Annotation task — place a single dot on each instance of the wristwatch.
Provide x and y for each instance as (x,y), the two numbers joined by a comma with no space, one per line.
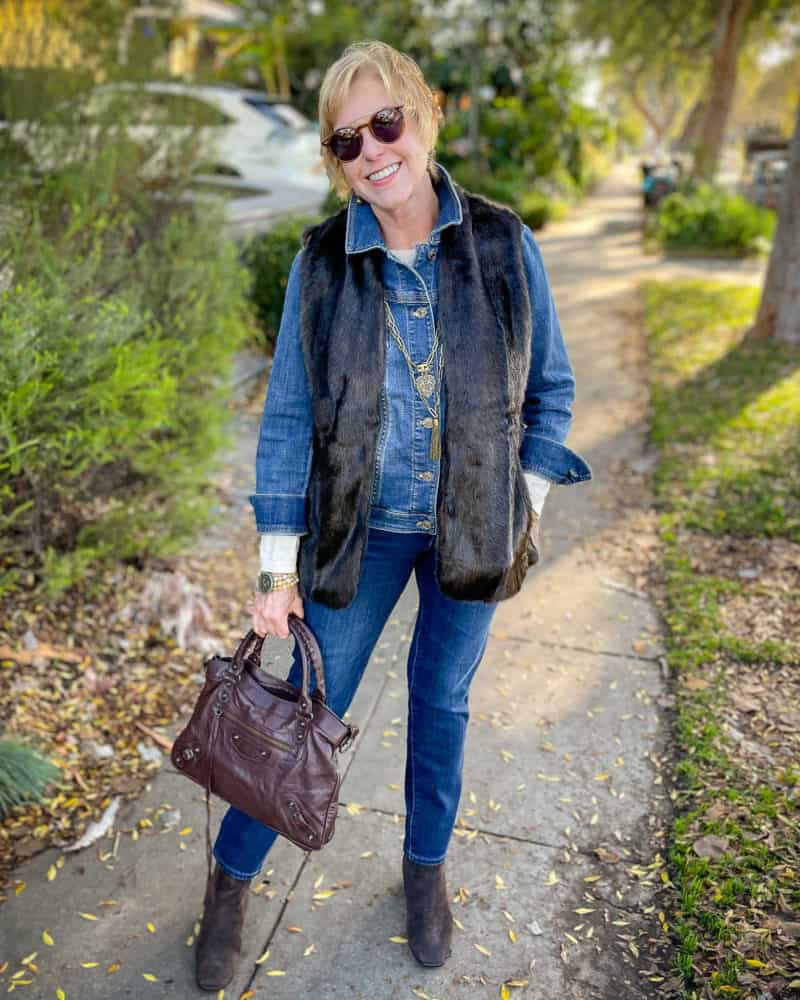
(267,582)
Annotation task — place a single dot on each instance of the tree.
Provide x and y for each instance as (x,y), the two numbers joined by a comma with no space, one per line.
(779,310)
(703,40)
(729,34)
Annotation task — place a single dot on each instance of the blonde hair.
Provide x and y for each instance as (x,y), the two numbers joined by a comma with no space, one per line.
(400,75)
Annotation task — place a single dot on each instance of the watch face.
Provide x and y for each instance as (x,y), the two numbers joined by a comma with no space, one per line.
(265,582)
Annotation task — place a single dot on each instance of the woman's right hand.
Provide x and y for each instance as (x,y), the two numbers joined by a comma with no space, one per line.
(271,611)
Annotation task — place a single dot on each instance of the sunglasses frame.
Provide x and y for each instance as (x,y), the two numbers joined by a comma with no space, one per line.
(357,132)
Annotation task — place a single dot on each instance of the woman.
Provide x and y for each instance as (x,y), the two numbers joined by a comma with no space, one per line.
(416,413)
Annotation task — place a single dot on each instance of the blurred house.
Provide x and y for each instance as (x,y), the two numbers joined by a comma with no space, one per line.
(174,38)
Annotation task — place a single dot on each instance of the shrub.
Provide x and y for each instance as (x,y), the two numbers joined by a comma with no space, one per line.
(269,258)
(117,331)
(706,217)
(24,775)
(534,206)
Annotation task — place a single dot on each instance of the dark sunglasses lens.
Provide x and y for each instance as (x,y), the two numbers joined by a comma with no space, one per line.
(387,126)
(346,147)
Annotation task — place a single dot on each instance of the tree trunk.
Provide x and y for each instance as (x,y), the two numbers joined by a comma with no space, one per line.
(728,37)
(691,127)
(779,310)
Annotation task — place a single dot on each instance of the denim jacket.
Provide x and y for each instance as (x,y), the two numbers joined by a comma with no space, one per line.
(406,477)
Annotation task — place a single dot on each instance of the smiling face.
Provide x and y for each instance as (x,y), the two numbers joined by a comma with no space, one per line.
(406,160)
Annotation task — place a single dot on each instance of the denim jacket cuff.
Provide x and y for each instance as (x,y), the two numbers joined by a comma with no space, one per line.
(283,513)
(552,460)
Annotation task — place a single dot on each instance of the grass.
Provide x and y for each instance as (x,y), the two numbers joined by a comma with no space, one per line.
(726,419)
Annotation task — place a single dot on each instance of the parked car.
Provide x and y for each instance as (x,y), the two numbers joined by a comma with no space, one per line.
(764,176)
(245,134)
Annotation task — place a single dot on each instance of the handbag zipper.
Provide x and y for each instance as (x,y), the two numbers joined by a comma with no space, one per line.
(281,744)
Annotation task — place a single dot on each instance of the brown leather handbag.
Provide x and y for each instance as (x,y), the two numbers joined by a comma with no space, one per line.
(265,746)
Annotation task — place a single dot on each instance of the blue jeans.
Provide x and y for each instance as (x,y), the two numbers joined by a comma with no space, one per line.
(448,644)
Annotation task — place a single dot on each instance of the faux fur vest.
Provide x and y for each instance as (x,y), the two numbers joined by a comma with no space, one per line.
(483,511)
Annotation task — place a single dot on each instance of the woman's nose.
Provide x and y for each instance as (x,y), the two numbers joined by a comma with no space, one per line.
(372,149)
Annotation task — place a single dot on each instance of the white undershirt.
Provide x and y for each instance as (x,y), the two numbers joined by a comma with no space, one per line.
(278,553)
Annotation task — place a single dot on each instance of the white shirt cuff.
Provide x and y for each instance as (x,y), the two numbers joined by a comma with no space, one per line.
(537,490)
(278,553)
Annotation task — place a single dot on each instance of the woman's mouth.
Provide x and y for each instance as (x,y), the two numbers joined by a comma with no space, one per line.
(383,176)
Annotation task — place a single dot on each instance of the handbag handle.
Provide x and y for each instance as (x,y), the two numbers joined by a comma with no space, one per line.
(310,659)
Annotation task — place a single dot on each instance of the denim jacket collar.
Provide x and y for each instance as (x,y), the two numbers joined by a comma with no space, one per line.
(364,231)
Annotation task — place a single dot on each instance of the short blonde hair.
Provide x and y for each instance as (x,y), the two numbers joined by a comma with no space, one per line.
(401,76)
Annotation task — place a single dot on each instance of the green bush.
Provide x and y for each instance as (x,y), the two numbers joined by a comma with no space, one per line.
(24,775)
(534,207)
(706,217)
(269,258)
(117,330)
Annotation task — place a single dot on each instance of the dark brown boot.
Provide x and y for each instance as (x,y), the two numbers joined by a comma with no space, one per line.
(429,923)
(219,943)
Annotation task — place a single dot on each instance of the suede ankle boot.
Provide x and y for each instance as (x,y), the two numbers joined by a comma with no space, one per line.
(219,942)
(429,923)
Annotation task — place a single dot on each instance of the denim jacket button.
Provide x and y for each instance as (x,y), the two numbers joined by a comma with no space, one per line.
(427,476)
(423,524)
(420,312)
(432,254)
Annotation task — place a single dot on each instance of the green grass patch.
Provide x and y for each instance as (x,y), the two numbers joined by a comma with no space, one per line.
(726,418)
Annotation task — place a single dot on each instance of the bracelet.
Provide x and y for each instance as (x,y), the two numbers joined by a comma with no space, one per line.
(267,583)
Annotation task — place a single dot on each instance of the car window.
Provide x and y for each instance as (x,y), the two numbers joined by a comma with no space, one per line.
(282,115)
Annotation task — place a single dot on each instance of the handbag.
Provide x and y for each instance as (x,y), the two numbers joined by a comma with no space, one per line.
(265,746)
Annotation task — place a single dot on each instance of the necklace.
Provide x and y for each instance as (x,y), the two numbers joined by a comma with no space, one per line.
(421,377)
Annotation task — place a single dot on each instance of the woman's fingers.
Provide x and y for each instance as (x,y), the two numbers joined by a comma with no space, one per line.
(271,611)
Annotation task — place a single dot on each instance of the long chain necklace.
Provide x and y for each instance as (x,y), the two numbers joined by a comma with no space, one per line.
(421,377)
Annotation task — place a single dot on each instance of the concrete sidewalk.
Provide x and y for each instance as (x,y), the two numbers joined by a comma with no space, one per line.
(554,867)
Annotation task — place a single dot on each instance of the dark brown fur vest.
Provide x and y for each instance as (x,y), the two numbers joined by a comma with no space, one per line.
(483,510)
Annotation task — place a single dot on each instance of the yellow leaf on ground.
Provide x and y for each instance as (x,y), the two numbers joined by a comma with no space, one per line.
(398,940)
(61,995)
(221,995)
(309,950)
(602,776)
(20,887)
(247,995)
(47,938)
(591,878)
(552,878)
(264,957)
(276,972)
(114,967)
(29,958)
(90,965)
(481,949)
(151,926)
(51,873)
(324,894)
(185,831)
(505,993)
(318,883)
(87,916)
(512,935)
(150,977)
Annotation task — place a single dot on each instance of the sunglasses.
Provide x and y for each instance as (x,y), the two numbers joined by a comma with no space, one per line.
(385,125)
